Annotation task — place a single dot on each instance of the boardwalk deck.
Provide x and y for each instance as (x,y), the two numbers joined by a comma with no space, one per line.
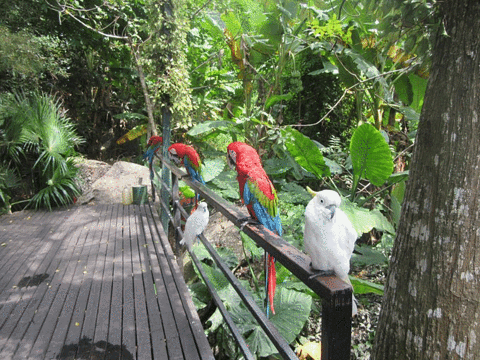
(93,282)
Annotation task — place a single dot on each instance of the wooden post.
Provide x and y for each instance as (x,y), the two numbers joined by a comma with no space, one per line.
(336,326)
(177,219)
(166,174)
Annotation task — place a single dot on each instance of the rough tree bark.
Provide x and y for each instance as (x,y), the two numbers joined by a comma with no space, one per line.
(431,307)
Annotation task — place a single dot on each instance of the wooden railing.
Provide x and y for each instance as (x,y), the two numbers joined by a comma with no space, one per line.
(336,295)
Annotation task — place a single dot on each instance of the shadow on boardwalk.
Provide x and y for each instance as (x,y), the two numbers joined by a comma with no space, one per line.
(93,282)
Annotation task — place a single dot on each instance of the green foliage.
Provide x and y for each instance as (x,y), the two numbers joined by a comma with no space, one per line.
(368,256)
(249,245)
(361,286)
(61,187)
(292,308)
(305,152)
(208,126)
(371,156)
(364,220)
(226,185)
(212,168)
(293,193)
(38,141)
(25,57)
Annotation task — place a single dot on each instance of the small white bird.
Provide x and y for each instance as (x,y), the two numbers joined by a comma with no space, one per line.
(329,236)
(196,223)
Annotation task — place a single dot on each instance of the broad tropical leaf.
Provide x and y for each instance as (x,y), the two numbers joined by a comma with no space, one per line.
(292,309)
(227,183)
(371,156)
(212,168)
(364,220)
(136,132)
(276,166)
(274,99)
(293,193)
(207,126)
(305,152)
(361,286)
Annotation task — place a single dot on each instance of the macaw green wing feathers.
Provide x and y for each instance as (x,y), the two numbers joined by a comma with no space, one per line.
(268,198)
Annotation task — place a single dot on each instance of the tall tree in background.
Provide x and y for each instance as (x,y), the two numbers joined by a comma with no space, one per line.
(155,32)
(431,308)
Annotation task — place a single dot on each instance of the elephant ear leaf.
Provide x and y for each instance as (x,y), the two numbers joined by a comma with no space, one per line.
(305,152)
(371,156)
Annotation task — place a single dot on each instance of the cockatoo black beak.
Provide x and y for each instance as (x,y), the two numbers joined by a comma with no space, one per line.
(332,209)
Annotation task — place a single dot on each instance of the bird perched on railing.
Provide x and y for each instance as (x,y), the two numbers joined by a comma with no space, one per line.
(329,236)
(186,155)
(195,225)
(259,195)
(154,144)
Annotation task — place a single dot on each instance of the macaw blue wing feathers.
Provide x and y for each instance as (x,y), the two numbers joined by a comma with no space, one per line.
(191,170)
(263,215)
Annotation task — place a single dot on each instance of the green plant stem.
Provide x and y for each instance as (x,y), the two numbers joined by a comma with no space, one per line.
(375,194)
(255,280)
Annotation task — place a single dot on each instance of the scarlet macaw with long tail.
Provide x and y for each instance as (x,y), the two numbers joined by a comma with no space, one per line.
(259,195)
(154,144)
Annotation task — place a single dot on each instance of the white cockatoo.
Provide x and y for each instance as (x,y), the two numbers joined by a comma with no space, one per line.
(329,236)
(196,223)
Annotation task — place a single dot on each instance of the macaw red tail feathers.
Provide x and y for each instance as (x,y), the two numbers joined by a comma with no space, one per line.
(272,281)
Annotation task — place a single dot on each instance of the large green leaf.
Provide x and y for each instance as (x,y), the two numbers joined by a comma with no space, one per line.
(227,183)
(272,100)
(292,309)
(208,126)
(371,156)
(404,90)
(364,220)
(368,256)
(361,286)
(212,168)
(276,166)
(397,195)
(294,193)
(255,251)
(305,152)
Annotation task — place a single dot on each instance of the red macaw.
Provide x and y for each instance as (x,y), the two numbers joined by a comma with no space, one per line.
(187,156)
(154,144)
(259,195)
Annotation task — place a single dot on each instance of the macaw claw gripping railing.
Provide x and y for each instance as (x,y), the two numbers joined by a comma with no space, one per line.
(336,295)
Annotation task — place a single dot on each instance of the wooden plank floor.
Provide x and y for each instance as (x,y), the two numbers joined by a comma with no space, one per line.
(93,282)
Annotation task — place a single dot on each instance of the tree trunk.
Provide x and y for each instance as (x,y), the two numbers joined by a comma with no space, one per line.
(151,127)
(431,307)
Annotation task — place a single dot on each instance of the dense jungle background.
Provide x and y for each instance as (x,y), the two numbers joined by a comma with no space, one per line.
(328,92)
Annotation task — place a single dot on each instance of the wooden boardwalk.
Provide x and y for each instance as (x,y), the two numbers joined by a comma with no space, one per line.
(93,282)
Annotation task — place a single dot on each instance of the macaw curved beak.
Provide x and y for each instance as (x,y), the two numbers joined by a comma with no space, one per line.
(332,209)
(231,160)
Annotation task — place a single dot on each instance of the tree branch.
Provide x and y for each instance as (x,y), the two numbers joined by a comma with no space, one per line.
(345,93)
